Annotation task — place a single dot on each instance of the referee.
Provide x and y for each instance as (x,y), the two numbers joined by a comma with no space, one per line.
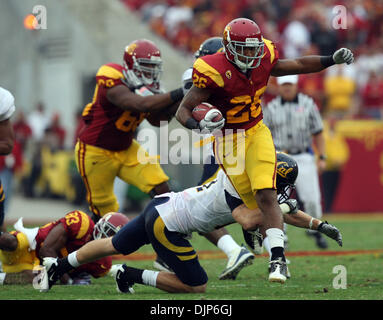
(295,123)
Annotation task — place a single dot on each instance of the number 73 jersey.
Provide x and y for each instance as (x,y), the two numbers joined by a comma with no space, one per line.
(237,96)
(108,126)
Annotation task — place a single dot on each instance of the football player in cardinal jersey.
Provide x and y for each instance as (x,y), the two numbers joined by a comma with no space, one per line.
(7,108)
(238,256)
(234,82)
(124,96)
(22,249)
(168,222)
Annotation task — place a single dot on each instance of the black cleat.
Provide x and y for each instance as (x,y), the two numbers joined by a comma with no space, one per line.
(124,284)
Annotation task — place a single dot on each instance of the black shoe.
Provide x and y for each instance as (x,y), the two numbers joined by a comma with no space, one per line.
(161,265)
(124,284)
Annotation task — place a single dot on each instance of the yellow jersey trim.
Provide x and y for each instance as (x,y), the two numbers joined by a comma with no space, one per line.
(109,72)
(271,47)
(84,225)
(207,70)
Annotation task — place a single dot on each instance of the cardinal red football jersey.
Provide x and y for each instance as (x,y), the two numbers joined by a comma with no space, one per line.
(237,96)
(108,126)
(78,226)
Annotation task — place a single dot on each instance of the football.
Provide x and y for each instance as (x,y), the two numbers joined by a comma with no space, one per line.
(200,111)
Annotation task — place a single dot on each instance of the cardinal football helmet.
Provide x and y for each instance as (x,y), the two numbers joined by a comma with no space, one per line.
(143,65)
(109,225)
(287,173)
(243,43)
(209,46)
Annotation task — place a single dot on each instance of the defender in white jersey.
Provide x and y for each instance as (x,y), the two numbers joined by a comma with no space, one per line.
(168,222)
(7,109)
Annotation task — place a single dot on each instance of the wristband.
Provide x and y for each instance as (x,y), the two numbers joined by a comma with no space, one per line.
(322,157)
(192,124)
(327,61)
(177,94)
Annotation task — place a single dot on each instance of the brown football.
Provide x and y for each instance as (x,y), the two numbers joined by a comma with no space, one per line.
(200,111)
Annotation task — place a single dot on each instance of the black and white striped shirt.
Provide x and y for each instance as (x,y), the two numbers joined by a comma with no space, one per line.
(293,123)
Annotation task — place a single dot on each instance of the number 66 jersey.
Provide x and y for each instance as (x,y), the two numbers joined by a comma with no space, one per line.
(108,126)
(235,94)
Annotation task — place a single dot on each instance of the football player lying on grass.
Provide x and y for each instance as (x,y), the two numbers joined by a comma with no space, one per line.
(167,223)
(21,250)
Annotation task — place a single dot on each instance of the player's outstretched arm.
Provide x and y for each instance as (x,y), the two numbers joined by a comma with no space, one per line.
(126,99)
(310,64)
(303,220)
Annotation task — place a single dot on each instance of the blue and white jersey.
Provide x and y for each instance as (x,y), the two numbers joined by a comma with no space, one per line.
(198,209)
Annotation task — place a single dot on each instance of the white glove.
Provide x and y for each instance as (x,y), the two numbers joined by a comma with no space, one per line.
(207,124)
(343,55)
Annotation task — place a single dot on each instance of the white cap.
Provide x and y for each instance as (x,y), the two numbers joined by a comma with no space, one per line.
(293,79)
(7,104)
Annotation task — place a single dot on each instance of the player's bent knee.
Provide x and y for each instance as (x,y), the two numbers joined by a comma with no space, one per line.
(198,289)
(266,197)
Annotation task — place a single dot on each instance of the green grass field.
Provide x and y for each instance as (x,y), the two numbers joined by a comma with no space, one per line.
(312,274)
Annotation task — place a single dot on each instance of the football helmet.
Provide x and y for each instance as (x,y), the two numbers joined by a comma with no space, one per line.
(142,65)
(209,46)
(243,43)
(287,173)
(109,225)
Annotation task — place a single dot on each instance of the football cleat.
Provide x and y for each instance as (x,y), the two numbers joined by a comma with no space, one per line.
(238,260)
(254,240)
(288,274)
(277,271)
(51,265)
(161,265)
(124,284)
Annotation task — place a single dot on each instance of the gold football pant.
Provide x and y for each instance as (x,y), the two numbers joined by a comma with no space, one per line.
(249,160)
(99,167)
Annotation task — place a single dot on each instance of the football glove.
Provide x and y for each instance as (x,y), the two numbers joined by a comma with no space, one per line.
(343,55)
(331,231)
(254,240)
(293,205)
(208,124)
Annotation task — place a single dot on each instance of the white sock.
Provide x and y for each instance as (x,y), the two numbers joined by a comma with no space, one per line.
(72,259)
(275,236)
(266,245)
(227,244)
(2,278)
(149,277)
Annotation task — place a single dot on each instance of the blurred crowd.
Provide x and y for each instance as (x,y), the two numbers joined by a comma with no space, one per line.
(298,27)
